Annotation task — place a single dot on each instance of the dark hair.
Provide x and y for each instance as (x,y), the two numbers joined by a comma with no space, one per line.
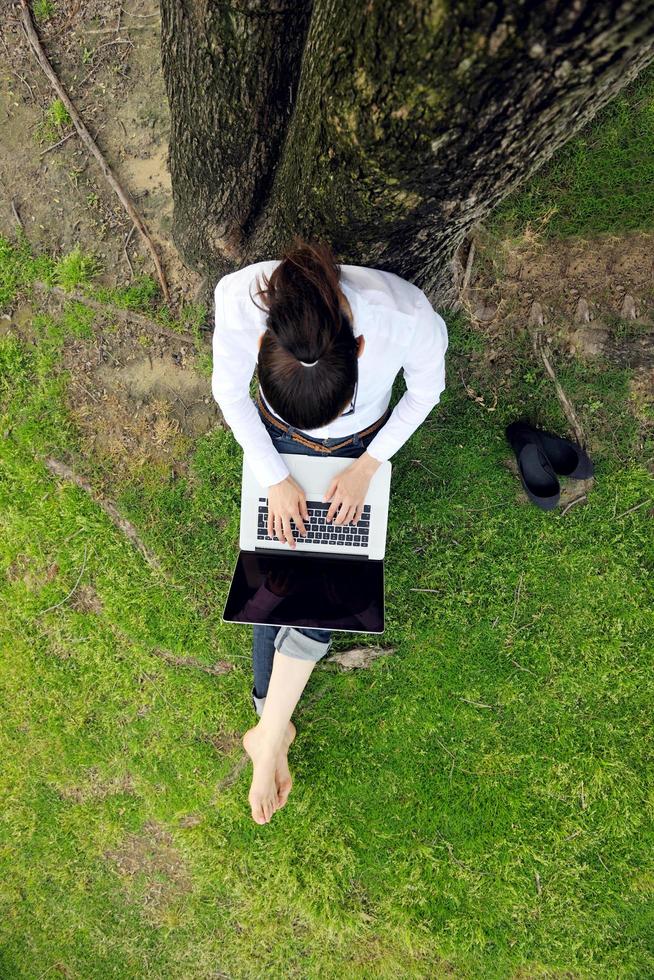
(305,322)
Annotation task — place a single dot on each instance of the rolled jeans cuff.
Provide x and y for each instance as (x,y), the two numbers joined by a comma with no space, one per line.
(297,643)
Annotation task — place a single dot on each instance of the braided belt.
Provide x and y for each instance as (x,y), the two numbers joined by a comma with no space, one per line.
(316,445)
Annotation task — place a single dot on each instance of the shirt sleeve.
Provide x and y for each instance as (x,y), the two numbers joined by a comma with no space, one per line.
(424,374)
(234,361)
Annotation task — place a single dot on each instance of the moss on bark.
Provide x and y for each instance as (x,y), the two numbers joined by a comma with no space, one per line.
(387,128)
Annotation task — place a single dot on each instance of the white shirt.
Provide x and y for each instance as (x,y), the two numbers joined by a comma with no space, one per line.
(401,330)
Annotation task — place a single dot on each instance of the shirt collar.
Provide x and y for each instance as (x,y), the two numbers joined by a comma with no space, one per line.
(358,305)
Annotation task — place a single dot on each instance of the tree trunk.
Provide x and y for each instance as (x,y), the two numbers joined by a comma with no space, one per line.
(388,128)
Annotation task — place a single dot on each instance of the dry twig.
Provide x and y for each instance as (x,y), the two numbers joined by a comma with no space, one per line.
(16,215)
(517,597)
(24,81)
(55,145)
(67,597)
(632,509)
(420,463)
(542,350)
(526,669)
(125,247)
(572,503)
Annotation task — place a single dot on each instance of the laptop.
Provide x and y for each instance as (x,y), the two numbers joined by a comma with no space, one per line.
(334,578)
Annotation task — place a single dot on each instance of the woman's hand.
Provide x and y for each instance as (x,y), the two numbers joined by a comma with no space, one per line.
(280,581)
(348,490)
(286,501)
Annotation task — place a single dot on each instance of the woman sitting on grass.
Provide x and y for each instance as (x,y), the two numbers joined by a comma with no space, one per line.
(328,345)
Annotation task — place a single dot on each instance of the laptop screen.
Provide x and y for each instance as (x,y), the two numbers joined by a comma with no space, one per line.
(324,592)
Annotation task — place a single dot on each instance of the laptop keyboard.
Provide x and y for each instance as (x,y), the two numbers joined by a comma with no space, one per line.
(318,530)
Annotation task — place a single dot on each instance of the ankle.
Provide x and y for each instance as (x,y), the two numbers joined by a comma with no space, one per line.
(266,740)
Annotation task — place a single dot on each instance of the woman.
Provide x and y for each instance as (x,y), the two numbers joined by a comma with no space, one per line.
(327,343)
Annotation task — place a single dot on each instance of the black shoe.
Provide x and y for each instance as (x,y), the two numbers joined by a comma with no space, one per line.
(567,457)
(536,471)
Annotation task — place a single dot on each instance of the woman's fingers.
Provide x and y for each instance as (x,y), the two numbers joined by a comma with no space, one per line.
(337,501)
(330,492)
(299,523)
(278,527)
(336,510)
(357,515)
(288,531)
(345,514)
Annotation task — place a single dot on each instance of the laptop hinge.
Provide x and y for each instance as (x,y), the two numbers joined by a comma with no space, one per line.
(310,554)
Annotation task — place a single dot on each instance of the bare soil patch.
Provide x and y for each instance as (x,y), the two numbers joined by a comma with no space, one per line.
(96,787)
(225,742)
(601,273)
(86,600)
(597,298)
(33,574)
(152,870)
(137,399)
(107,55)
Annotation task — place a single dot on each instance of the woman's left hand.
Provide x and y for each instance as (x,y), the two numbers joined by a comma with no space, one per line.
(348,490)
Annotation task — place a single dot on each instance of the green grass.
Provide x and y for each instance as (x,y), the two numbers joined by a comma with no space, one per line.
(476,804)
(43,10)
(56,117)
(19,268)
(601,181)
(58,114)
(76,271)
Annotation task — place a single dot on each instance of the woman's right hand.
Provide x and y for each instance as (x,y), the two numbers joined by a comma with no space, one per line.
(286,501)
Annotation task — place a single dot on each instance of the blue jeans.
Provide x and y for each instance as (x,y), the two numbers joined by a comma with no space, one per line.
(305,644)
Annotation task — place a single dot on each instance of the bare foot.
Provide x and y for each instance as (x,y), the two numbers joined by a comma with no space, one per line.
(264,796)
(283,779)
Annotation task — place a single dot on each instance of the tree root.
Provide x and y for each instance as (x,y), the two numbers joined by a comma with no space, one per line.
(221,667)
(87,139)
(65,473)
(117,311)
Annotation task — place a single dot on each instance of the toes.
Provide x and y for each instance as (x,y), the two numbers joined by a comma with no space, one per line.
(268,809)
(284,784)
(257,814)
(282,796)
(257,807)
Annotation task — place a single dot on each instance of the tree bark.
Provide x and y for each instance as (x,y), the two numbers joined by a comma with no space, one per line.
(388,128)
(231,73)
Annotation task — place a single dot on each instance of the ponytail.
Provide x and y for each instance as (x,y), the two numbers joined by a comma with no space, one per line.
(307,363)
